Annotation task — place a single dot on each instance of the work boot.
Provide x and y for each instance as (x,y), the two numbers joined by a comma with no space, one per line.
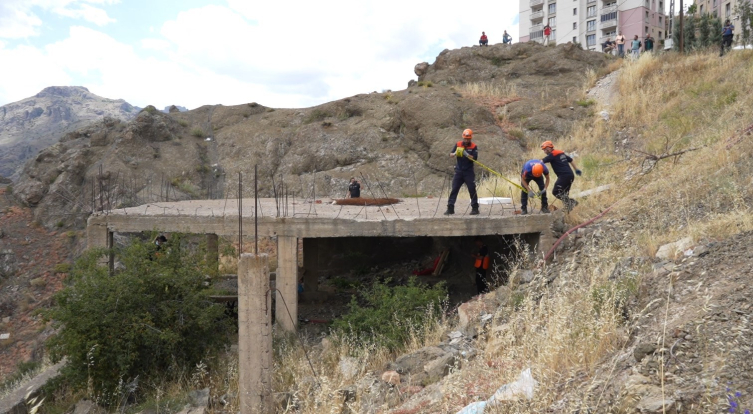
(450,210)
(474,211)
(523,211)
(545,210)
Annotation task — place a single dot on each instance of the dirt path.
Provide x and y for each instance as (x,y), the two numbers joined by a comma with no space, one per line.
(606,90)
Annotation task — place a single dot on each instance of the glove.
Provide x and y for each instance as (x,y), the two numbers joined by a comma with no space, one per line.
(541,193)
(578,172)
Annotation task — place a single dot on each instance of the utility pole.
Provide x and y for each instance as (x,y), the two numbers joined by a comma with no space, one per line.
(682,33)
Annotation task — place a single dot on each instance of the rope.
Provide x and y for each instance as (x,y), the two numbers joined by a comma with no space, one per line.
(501,176)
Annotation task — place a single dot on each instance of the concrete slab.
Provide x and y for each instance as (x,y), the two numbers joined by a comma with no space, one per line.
(410,217)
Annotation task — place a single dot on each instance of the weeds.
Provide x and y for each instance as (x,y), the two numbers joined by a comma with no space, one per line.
(198,132)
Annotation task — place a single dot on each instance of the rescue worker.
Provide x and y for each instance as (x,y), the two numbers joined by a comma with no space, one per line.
(354,189)
(481,265)
(561,165)
(464,151)
(536,171)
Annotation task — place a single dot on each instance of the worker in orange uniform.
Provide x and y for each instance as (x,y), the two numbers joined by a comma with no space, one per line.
(482,265)
(534,170)
(465,152)
(561,165)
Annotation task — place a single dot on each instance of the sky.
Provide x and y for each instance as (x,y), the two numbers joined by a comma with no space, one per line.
(285,54)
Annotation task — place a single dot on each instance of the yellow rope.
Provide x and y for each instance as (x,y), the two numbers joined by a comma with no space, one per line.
(530,193)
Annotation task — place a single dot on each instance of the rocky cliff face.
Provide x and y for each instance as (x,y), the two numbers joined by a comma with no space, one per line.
(32,124)
(400,139)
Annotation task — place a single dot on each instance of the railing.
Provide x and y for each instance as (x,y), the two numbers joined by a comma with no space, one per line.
(591,2)
(535,3)
(537,28)
(609,9)
(537,15)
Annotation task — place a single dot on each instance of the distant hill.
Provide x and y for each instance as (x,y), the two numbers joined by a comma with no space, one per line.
(178,108)
(35,123)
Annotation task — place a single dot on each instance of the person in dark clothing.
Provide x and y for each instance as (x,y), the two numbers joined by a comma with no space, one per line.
(561,165)
(648,43)
(354,189)
(464,152)
(534,170)
(481,265)
(727,35)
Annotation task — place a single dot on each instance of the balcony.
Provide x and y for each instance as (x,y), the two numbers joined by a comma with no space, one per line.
(536,28)
(550,1)
(609,23)
(537,15)
(609,9)
(536,3)
(591,2)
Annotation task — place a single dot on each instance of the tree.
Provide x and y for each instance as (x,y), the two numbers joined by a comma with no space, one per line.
(704,30)
(744,11)
(148,318)
(692,9)
(690,37)
(716,32)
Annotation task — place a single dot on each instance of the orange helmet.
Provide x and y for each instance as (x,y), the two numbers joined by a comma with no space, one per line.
(537,170)
(547,144)
(468,134)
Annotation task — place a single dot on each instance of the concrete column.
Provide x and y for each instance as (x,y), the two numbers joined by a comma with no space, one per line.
(311,265)
(213,251)
(254,335)
(111,254)
(96,236)
(287,282)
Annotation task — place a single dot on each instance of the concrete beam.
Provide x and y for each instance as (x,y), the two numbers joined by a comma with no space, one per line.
(287,283)
(96,235)
(254,335)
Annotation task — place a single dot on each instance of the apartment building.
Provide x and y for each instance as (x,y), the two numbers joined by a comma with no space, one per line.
(725,9)
(591,22)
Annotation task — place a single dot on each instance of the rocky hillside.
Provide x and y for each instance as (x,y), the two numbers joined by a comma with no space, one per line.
(505,94)
(35,123)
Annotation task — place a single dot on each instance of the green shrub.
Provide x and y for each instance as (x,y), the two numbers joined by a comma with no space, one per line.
(197,132)
(183,122)
(316,115)
(152,319)
(585,102)
(62,268)
(390,315)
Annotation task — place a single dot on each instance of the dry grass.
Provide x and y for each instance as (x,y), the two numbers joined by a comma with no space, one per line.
(498,89)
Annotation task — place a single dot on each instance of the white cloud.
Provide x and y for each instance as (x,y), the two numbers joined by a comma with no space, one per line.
(284,54)
(18,19)
(90,14)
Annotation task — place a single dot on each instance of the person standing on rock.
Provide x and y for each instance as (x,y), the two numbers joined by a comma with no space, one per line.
(354,189)
(481,265)
(635,46)
(464,152)
(648,43)
(484,41)
(561,164)
(547,33)
(534,170)
(620,40)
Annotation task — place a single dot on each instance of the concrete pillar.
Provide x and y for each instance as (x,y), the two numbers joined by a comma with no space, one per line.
(96,236)
(311,265)
(287,283)
(213,251)
(111,254)
(254,335)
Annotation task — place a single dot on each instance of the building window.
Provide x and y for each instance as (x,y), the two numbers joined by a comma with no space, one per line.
(646,14)
(591,11)
(552,21)
(553,8)
(591,25)
(659,20)
(591,40)
(609,16)
(715,14)
(661,5)
(646,29)
(575,11)
(575,25)
(554,34)
(701,8)
(726,10)
(611,33)
(659,35)
(714,3)
(575,39)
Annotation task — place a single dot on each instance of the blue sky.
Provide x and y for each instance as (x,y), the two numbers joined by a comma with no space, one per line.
(196,52)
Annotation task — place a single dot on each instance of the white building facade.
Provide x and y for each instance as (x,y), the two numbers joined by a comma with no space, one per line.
(591,22)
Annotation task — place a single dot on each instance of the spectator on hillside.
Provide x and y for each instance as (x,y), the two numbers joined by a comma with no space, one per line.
(635,46)
(484,41)
(354,189)
(620,40)
(506,38)
(727,33)
(648,43)
(547,33)
(608,46)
